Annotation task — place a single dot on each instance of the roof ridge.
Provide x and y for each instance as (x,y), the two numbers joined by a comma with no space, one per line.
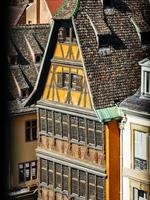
(30,26)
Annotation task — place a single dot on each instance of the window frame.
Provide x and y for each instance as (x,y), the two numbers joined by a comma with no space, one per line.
(143,129)
(145,71)
(71,192)
(31,127)
(25,168)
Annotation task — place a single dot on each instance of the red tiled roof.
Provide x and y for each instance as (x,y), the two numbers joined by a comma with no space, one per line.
(54,5)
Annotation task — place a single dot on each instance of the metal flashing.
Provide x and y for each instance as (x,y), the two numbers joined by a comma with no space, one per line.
(108,114)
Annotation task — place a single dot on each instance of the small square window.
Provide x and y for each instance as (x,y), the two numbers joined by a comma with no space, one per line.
(37,58)
(104,41)
(13,60)
(145,38)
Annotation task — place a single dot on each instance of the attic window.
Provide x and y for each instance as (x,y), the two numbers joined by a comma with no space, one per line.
(107,4)
(145,38)
(104,44)
(37,58)
(24,93)
(67,34)
(13,60)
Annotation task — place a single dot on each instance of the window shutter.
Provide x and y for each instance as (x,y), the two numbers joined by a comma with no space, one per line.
(135,194)
(144,146)
(137,144)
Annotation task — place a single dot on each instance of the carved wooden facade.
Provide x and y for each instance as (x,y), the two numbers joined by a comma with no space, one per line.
(69,129)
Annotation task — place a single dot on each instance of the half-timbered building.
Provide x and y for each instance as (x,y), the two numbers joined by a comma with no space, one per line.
(89,66)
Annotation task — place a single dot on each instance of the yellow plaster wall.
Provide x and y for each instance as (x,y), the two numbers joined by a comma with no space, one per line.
(20,151)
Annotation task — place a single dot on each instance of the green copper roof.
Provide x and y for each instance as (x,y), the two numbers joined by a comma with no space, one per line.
(108,114)
(76,8)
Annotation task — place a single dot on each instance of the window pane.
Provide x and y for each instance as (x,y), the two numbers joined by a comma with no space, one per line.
(74,173)
(34,123)
(49,114)
(140,150)
(91,124)
(58,116)
(65,118)
(91,139)
(98,138)
(43,163)
(28,134)
(27,171)
(74,120)
(28,124)
(81,122)
(43,124)
(82,134)
(58,130)
(49,126)
(92,192)
(42,113)
(76,82)
(33,133)
(75,186)
(43,175)
(50,178)
(21,173)
(65,130)
(58,180)
(99,193)
(65,183)
(66,80)
(82,183)
(92,179)
(100,181)
(65,170)
(74,133)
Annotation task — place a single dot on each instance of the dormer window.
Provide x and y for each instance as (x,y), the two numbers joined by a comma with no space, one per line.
(24,93)
(13,60)
(104,44)
(38,58)
(145,77)
(108,4)
(67,34)
(145,38)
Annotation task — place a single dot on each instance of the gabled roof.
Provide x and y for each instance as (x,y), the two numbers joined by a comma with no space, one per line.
(16,13)
(112,77)
(24,73)
(53,5)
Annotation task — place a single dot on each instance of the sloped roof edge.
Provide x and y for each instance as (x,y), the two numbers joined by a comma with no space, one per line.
(34,95)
